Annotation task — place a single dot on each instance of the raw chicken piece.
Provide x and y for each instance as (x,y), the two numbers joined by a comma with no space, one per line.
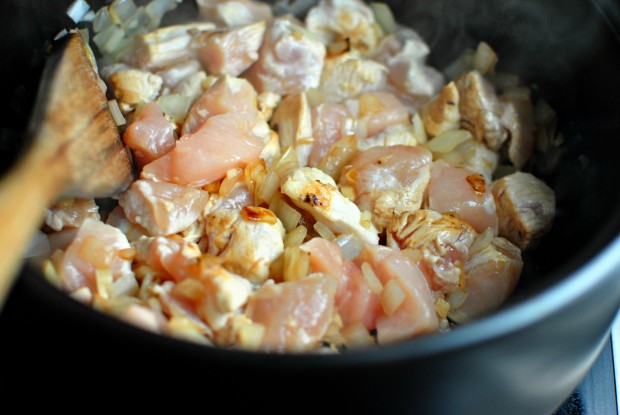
(414,313)
(222,143)
(525,207)
(118,219)
(442,240)
(315,192)
(518,118)
(150,135)
(464,193)
(380,110)
(230,51)
(289,61)
(132,87)
(348,75)
(296,314)
(345,19)
(388,181)
(233,235)
(175,257)
(96,246)
(442,113)
(228,94)
(162,208)
(491,275)
(233,13)
(355,300)
(223,294)
(480,109)
(404,55)
(165,46)
(330,123)
(292,120)
(71,213)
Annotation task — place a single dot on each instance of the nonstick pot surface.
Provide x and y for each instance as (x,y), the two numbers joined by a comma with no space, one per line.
(525,359)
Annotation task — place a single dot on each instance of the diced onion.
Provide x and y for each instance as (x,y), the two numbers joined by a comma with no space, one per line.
(392,297)
(296,236)
(77,10)
(447,141)
(385,18)
(485,58)
(457,298)
(296,263)
(357,335)
(371,278)
(116,112)
(250,336)
(323,231)
(176,106)
(104,279)
(125,285)
(350,245)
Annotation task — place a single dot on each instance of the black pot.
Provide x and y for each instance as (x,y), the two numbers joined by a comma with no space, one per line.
(525,359)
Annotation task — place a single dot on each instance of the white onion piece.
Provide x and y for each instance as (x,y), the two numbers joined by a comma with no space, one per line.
(77,10)
(116,112)
(350,245)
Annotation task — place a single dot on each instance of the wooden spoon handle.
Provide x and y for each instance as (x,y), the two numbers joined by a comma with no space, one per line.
(25,193)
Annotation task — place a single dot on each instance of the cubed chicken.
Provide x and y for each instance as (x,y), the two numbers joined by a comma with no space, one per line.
(228,94)
(292,120)
(176,72)
(176,258)
(330,123)
(95,249)
(348,75)
(491,275)
(518,118)
(442,113)
(230,51)
(480,109)
(389,181)
(442,240)
(132,87)
(289,60)
(166,46)
(233,234)
(295,314)
(525,207)
(407,303)
(464,193)
(345,19)
(316,192)
(150,135)
(162,208)
(70,213)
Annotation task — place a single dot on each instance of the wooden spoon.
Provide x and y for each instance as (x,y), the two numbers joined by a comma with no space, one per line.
(76,151)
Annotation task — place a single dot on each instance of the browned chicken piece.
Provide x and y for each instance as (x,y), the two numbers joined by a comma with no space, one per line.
(388,181)
(293,121)
(525,207)
(491,275)
(348,75)
(518,118)
(480,109)
(352,20)
(162,208)
(132,87)
(230,51)
(289,60)
(233,13)
(442,240)
(442,113)
(167,45)
(70,213)
(233,236)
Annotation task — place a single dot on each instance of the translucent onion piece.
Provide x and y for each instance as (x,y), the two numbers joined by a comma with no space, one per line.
(384,17)
(447,141)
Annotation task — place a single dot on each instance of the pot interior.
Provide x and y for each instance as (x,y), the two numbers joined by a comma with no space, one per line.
(566,51)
